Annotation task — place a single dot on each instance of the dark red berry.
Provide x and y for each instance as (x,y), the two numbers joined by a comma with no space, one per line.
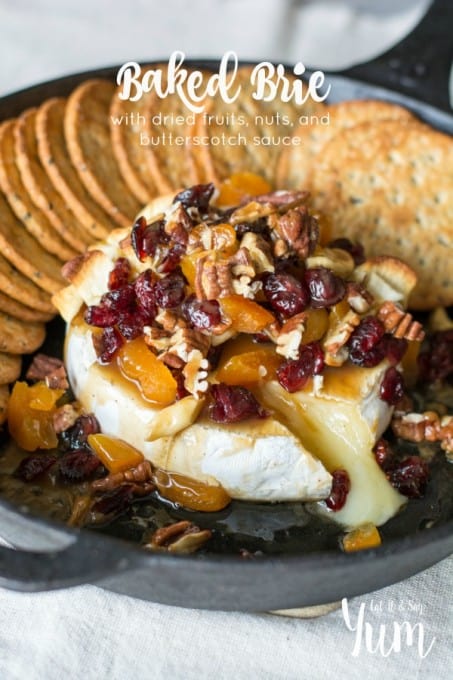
(107,344)
(100,316)
(364,344)
(201,314)
(78,465)
(115,502)
(232,404)
(286,294)
(356,249)
(172,259)
(392,386)
(76,436)
(410,476)
(170,291)
(326,288)
(383,454)
(146,239)
(197,196)
(341,486)
(32,467)
(119,276)
(294,374)
(395,348)
(436,363)
(144,292)
(259,226)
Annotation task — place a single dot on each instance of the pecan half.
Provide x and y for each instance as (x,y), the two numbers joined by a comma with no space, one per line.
(359,299)
(49,369)
(142,475)
(212,278)
(259,251)
(180,537)
(298,229)
(427,426)
(400,323)
(338,336)
(65,416)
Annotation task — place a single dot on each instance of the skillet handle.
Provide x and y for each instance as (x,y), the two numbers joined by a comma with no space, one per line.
(418,66)
(87,559)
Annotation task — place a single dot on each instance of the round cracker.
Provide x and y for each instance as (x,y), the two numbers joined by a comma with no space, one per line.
(54,157)
(10,367)
(20,311)
(20,337)
(33,219)
(25,253)
(389,186)
(127,122)
(296,163)
(4,398)
(261,124)
(87,133)
(20,288)
(40,188)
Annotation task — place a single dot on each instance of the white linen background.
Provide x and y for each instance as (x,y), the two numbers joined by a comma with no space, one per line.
(88,633)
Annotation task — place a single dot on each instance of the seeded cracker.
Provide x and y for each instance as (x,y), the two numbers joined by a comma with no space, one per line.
(55,159)
(41,189)
(10,367)
(262,120)
(389,186)
(14,308)
(33,219)
(19,337)
(25,253)
(296,163)
(87,133)
(21,290)
(131,156)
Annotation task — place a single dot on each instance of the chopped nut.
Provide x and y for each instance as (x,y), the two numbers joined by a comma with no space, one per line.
(157,338)
(195,373)
(260,252)
(241,263)
(49,369)
(400,323)
(284,199)
(337,359)
(335,259)
(80,509)
(71,268)
(299,230)
(141,474)
(281,248)
(170,321)
(251,212)
(65,416)
(246,287)
(359,299)
(212,278)
(290,336)
(180,537)
(338,336)
(185,340)
(427,426)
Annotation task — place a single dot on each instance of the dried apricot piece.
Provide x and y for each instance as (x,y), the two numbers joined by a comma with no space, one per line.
(155,380)
(116,454)
(190,493)
(30,415)
(249,367)
(245,315)
(362,538)
(315,325)
(239,186)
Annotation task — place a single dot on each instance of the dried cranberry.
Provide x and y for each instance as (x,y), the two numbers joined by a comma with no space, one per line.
(181,391)
(119,276)
(364,344)
(232,404)
(410,476)
(100,316)
(202,314)
(294,374)
(33,466)
(286,294)
(116,501)
(147,238)
(326,288)
(356,249)
(76,437)
(437,362)
(383,454)
(172,259)
(107,344)
(259,226)
(170,291)
(131,325)
(144,292)
(341,486)
(395,348)
(78,465)
(392,386)
(197,196)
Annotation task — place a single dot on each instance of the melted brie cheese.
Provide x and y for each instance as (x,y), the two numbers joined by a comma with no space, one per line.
(254,460)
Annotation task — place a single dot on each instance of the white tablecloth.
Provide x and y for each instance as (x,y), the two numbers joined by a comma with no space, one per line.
(89,633)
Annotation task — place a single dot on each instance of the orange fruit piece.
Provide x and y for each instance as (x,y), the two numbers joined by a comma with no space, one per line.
(239,186)
(30,415)
(245,315)
(315,326)
(155,381)
(116,454)
(191,493)
(362,538)
(249,367)
(189,263)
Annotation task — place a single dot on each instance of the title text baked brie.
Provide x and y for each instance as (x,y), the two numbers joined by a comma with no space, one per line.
(231,344)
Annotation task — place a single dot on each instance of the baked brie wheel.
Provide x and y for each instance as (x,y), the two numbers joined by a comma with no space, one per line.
(233,345)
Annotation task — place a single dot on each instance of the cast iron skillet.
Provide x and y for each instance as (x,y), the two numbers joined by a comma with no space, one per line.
(414,74)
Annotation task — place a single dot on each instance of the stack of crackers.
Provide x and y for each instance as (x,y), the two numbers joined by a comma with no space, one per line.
(73,169)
